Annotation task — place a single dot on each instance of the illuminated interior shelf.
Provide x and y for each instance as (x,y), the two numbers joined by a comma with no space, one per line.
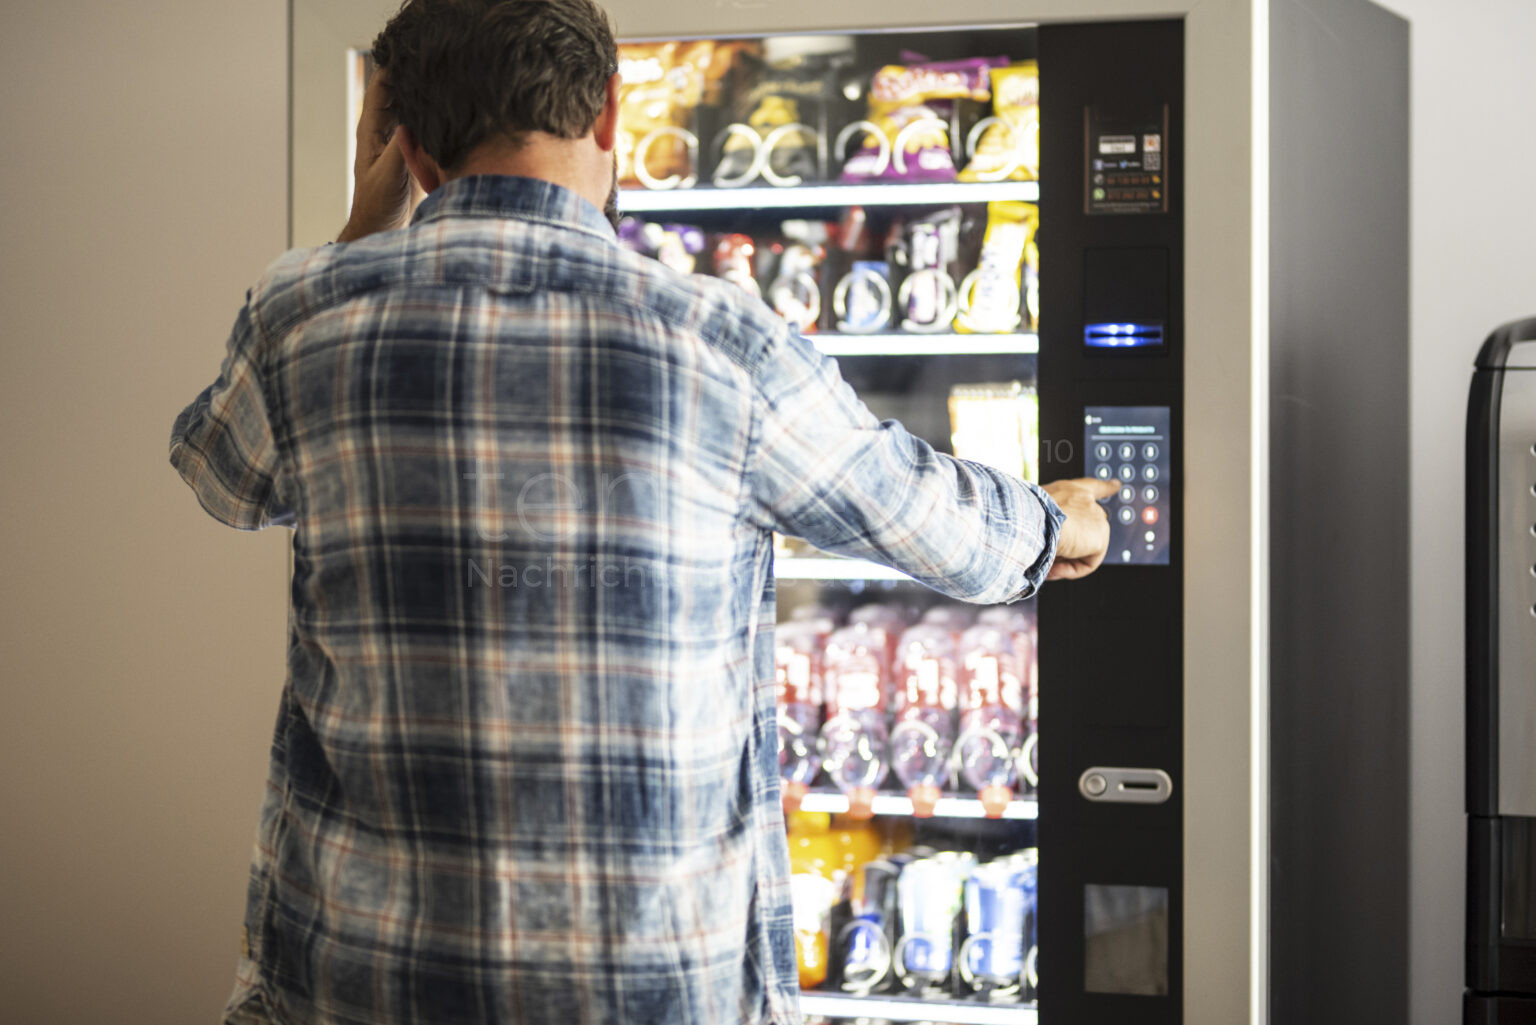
(926,345)
(838,1005)
(636,201)
(895,804)
(789,567)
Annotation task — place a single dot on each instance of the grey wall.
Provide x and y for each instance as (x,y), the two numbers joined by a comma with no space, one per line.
(1474,266)
(144,190)
(1339,514)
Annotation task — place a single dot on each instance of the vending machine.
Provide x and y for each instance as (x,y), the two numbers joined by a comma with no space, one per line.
(1052,811)
(1501,681)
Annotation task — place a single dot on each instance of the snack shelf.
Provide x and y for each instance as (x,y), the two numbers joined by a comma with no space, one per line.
(836,1005)
(812,567)
(896,804)
(634,200)
(926,345)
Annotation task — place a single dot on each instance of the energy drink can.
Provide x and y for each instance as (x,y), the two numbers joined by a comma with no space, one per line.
(865,942)
(1000,900)
(928,895)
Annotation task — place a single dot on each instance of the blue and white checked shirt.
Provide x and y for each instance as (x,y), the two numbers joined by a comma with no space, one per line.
(525,763)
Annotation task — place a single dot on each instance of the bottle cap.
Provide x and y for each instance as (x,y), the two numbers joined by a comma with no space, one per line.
(924,797)
(994,800)
(861,803)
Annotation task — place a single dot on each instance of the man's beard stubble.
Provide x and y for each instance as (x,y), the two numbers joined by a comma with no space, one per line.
(611,207)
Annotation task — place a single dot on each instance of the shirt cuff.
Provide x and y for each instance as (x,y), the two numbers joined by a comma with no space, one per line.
(1051,529)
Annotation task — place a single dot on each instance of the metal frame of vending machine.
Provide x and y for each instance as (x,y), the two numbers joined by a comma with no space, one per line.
(1156,673)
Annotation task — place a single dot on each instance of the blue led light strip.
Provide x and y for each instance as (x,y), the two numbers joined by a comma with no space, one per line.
(1122,336)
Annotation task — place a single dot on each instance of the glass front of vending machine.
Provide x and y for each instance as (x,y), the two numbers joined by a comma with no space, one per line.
(984,227)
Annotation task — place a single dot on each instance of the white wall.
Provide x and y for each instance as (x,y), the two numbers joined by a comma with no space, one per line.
(144,189)
(1474,267)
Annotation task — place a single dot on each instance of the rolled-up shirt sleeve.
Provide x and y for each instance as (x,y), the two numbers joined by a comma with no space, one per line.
(828,471)
(222,443)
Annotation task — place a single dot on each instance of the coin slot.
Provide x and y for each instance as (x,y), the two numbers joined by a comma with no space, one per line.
(1137,784)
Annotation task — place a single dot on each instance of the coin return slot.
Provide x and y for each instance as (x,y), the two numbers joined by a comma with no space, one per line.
(1102,784)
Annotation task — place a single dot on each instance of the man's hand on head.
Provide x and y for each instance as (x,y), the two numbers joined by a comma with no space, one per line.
(384,195)
(1085,534)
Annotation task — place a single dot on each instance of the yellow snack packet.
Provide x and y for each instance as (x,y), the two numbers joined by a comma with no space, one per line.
(992,295)
(1009,147)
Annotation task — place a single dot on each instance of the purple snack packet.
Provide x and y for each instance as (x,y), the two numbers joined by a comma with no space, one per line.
(912,104)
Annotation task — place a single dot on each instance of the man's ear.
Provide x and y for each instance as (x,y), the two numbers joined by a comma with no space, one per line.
(422,167)
(605,130)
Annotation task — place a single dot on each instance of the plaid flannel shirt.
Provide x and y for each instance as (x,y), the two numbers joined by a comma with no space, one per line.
(525,761)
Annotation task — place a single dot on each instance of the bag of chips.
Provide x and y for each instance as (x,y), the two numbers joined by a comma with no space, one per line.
(764,141)
(660,85)
(1009,145)
(911,105)
(997,423)
(992,295)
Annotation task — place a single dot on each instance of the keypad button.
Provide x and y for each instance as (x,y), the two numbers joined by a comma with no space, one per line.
(1127,471)
(1149,494)
(1149,473)
(1102,450)
(1151,536)
(1127,451)
(1127,494)
(1103,472)
(1127,514)
(1149,515)
(1150,452)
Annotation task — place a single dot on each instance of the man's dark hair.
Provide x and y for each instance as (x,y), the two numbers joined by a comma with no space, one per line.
(462,72)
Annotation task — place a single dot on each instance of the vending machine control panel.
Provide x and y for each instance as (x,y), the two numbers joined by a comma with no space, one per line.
(1130,445)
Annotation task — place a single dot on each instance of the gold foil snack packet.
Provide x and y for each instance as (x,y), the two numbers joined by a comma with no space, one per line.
(660,85)
(1009,146)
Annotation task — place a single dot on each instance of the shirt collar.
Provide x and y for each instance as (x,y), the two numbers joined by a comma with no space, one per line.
(508,196)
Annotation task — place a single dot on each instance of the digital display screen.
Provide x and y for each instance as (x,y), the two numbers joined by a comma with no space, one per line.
(1133,446)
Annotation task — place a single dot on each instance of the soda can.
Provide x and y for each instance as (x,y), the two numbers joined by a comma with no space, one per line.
(1000,900)
(865,942)
(928,894)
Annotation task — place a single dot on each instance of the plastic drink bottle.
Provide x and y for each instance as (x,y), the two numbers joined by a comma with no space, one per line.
(924,730)
(853,739)
(991,716)
(798,682)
